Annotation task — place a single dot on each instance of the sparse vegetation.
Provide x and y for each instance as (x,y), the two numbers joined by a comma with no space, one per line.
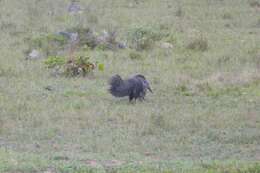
(135,55)
(142,38)
(200,44)
(49,44)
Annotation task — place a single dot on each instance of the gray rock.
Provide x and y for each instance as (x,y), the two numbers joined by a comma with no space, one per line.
(72,36)
(34,54)
(74,8)
(122,45)
(166,45)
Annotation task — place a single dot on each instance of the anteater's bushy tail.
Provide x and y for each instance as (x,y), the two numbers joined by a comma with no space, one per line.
(118,88)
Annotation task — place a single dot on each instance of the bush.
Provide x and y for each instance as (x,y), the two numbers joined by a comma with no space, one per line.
(107,40)
(80,66)
(86,36)
(142,38)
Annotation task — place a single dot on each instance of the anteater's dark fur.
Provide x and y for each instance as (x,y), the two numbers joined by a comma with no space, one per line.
(134,87)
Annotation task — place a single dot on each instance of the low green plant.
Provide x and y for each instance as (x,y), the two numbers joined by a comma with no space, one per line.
(53,61)
(101,67)
(81,65)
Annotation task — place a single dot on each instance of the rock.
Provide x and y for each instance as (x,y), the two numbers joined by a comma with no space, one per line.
(72,36)
(121,45)
(166,45)
(74,8)
(34,54)
(104,37)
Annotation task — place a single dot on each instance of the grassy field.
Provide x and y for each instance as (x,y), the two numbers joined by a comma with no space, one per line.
(204,114)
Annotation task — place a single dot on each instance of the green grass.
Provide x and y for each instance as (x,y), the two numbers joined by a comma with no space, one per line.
(202,117)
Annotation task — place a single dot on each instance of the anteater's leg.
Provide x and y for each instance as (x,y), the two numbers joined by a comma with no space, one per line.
(141,98)
(131,96)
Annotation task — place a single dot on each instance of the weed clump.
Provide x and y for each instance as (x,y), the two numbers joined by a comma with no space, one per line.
(134,55)
(227,16)
(199,44)
(184,90)
(81,66)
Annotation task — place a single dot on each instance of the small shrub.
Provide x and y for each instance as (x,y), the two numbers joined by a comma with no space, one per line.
(80,66)
(101,67)
(53,61)
(200,44)
(227,16)
(107,40)
(142,38)
(179,12)
(86,36)
(135,55)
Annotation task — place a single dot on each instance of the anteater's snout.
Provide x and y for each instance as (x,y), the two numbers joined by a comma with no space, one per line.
(149,88)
